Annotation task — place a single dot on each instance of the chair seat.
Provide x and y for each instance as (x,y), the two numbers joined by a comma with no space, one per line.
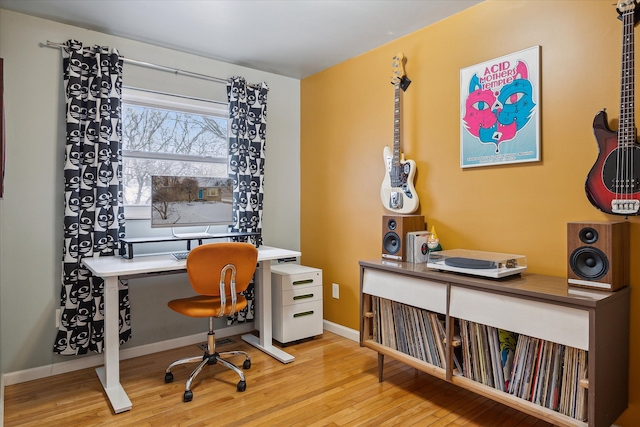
(205,306)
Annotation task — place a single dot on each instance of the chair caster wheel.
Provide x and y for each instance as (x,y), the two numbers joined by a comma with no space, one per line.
(246,364)
(168,377)
(242,386)
(188,396)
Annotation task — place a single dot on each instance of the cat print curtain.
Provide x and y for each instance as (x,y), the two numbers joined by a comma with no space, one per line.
(93,209)
(247,138)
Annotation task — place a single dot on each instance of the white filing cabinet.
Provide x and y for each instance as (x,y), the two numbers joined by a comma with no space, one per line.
(296,302)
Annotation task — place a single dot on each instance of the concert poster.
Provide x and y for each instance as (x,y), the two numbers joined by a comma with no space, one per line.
(500,110)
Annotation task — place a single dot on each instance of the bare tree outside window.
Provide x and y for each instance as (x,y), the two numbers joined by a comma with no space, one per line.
(172,189)
(162,194)
(157,141)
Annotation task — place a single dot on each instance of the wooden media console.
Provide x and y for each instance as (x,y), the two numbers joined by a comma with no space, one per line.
(414,314)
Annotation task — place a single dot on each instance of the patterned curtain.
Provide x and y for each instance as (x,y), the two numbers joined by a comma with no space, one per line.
(93,211)
(248,114)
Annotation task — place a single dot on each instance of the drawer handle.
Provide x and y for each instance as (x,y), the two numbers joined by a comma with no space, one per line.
(297,297)
(304,313)
(302,282)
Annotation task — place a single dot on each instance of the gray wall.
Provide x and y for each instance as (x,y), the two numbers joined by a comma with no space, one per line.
(31,211)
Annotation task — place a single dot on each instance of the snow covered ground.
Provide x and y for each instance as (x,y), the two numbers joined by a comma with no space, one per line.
(194,213)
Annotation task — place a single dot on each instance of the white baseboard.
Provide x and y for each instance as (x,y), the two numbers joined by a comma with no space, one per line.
(343,331)
(128,353)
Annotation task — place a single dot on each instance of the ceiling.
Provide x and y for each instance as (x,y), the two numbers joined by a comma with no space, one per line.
(293,38)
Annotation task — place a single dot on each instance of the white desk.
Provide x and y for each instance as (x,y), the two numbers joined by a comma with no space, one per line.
(113,268)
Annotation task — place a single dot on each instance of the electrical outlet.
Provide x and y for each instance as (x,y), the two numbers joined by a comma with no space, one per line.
(58,318)
(335,291)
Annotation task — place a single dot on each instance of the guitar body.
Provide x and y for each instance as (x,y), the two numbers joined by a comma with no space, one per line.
(404,177)
(606,188)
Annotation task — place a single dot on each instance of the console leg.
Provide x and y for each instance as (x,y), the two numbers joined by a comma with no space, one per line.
(380,366)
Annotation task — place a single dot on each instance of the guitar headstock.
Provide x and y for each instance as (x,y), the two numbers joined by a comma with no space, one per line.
(626,5)
(397,68)
(398,75)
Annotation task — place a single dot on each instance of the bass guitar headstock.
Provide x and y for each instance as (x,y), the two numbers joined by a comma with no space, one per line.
(625,6)
(398,76)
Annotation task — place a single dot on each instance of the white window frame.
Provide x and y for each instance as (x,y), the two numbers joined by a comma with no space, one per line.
(168,101)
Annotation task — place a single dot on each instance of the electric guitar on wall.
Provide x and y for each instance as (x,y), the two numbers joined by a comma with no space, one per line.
(613,184)
(397,191)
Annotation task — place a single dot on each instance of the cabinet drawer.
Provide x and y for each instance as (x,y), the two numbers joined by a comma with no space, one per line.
(292,276)
(300,296)
(300,321)
(406,289)
(556,323)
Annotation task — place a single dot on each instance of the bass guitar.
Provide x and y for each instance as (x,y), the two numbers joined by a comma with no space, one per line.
(613,184)
(397,191)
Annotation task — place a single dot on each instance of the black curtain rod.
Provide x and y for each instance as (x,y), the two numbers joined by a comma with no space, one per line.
(160,67)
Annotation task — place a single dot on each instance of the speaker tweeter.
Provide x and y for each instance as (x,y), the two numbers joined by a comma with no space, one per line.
(588,235)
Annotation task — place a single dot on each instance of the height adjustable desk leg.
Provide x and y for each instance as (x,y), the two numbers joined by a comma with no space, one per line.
(263,311)
(109,374)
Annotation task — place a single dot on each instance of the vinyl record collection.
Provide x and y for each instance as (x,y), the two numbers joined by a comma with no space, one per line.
(410,330)
(537,370)
(540,371)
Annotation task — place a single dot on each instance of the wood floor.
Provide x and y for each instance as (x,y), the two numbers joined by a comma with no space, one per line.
(332,382)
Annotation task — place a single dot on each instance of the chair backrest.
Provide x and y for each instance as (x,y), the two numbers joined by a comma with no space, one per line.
(206,262)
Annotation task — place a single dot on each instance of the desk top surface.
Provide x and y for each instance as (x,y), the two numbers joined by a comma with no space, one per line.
(117,266)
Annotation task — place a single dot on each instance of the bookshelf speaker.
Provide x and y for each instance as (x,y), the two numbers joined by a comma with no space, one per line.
(598,254)
(394,231)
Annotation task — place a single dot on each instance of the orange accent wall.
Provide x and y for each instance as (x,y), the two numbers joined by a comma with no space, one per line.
(347,119)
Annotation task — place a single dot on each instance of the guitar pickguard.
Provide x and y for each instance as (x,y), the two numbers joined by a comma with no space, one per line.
(397,191)
(400,178)
(622,183)
(406,170)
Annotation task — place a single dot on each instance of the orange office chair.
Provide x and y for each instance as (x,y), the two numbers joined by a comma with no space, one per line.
(218,272)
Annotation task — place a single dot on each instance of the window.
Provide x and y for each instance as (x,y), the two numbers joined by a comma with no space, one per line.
(169,135)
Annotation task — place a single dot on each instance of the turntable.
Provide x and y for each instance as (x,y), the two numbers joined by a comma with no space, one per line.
(478,263)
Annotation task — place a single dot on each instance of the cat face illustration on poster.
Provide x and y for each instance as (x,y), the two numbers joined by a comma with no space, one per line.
(496,115)
(498,101)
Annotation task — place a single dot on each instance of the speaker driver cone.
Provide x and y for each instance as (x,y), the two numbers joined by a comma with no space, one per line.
(589,263)
(391,243)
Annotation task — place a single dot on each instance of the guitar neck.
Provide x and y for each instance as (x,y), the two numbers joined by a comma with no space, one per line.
(626,129)
(396,126)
